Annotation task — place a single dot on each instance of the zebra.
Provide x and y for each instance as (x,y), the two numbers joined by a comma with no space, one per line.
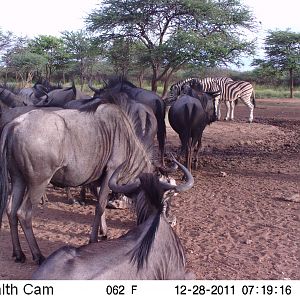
(208,84)
(214,84)
(176,88)
(234,90)
(230,92)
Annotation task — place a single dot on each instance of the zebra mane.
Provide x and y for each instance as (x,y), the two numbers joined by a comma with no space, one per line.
(149,201)
(176,88)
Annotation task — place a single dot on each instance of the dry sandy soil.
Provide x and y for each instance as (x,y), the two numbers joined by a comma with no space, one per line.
(241,220)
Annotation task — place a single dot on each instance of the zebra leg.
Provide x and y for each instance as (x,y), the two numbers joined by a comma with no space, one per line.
(227,103)
(248,103)
(218,108)
(251,107)
(232,105)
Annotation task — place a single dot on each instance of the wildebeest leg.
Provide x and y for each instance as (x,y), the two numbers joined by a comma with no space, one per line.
(188,157)
(33,194)
(17,194)
(99,219)
(196,152)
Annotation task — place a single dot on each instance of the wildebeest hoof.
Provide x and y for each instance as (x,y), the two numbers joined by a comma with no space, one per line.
(121,203)
(91,241)
(102,238)
(75,201)
(172,221)
(20,258)
(39,260)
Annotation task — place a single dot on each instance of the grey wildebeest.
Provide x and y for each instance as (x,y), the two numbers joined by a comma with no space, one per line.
(44,146)
(60,97)
(151,250)
(9,99)
(188,116)
(145,97)
(32,95)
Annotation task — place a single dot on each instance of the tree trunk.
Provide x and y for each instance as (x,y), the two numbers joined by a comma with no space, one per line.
(154,79)
(291,83)
(141,78)
(166,84)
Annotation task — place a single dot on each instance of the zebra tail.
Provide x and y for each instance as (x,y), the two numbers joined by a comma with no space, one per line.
(253,98)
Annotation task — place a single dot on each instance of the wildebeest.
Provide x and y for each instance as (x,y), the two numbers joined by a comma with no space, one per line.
(151,250)
(9,99)
(189,116)
(145,97)
(32,95)
(67,148)
(60,97)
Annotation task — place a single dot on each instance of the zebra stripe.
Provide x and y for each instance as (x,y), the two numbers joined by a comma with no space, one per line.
(176,88)
(232,91)
(209,84)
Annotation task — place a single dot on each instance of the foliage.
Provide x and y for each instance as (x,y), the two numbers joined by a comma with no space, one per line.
(27,63)
(282,53)
(174,33)
(82,49)
(52,49)
(6,39)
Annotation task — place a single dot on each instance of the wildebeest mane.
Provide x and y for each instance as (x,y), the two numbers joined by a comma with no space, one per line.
(119,99)
(145,204)
(119,81)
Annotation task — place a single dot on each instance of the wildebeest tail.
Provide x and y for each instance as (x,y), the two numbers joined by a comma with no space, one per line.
(187,129)
(161,125)
(4,184)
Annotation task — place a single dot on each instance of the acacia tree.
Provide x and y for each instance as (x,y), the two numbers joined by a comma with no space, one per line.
(82,50)
(282,53)
(26,64)
(176,32)
(51,48)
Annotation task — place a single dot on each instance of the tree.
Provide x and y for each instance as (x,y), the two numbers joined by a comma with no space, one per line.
(282,51)
(52,49)
(82,49)
(26,64)
(176,32)
(6,39)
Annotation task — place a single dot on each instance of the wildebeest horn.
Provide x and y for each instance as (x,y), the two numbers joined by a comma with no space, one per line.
(124,189)
(182,187)
(91,87)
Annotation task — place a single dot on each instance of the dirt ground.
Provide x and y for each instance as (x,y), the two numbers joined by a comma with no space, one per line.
(241,220)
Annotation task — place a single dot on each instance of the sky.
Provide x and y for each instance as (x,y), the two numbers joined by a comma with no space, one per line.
(37,17)
(30,18)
